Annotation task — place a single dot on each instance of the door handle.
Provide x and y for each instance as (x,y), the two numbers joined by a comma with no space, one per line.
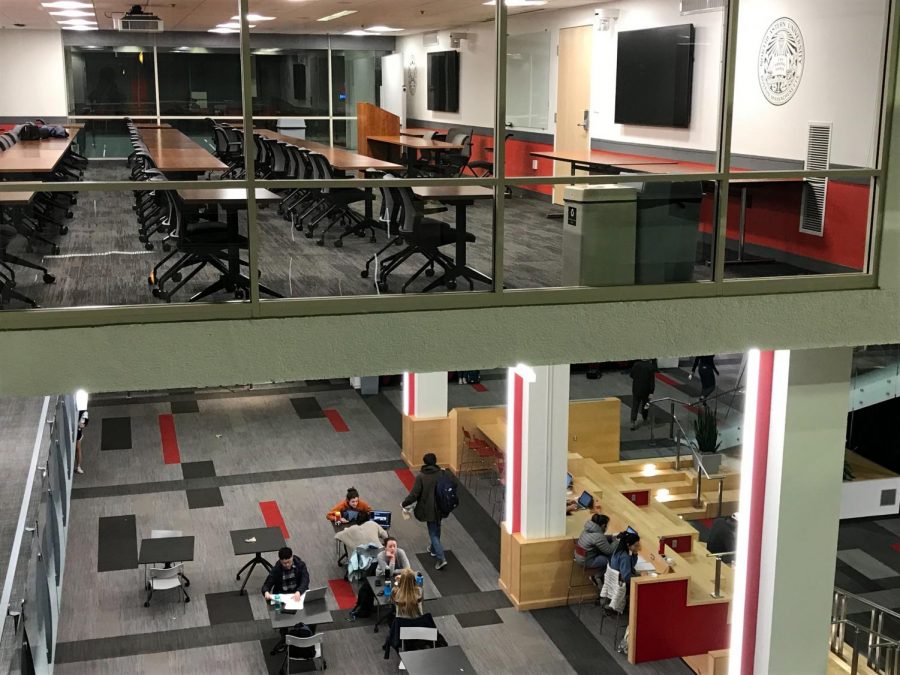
(586,124)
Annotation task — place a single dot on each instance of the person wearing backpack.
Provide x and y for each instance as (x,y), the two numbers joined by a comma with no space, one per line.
(435,495)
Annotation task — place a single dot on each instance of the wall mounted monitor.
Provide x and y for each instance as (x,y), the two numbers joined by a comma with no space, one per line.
(443,81)
(654,76)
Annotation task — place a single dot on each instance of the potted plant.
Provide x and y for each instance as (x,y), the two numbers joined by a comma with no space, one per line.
(706,440)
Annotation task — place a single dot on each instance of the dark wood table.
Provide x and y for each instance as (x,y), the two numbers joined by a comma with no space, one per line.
(267,539)
(412,145)
(166,550)
(231,200)
(28,158)
(177,155)
(152,125)
(440,661)
(340,158)
(16,198)
(592,160)
(460,197)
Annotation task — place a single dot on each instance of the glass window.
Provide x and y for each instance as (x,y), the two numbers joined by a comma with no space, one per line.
(199,82)
(110,80)
(355,77)
(528,80)
(290,82)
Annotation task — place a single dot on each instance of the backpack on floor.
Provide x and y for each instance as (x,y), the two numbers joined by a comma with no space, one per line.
(445,495)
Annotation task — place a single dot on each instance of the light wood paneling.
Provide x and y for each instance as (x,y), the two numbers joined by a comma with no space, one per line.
(422,435)
(573,97)
(594,429)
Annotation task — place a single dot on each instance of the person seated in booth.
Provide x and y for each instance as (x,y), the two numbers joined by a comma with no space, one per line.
(288,576)
(594,547)
(363,532)
(345,511)
(624,558)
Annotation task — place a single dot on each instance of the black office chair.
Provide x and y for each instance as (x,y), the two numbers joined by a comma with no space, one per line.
(483,168)
(337,203)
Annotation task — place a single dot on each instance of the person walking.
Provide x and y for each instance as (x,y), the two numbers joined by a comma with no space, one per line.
(708,372)
(643,384)
(427,509)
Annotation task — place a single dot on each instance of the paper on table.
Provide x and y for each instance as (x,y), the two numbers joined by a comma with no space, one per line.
(644,565)
(288,600)
(251,540)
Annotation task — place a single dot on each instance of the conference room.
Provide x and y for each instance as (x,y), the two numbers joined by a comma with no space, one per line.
(639,142)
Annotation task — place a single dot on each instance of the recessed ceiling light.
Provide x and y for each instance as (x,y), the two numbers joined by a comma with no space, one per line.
(221,30)
(358,33)
(80,28)
(72,12)
(338,15)
(234,25)
(382,29)
(519,3)
(78,22)
(67,4)
(254,17)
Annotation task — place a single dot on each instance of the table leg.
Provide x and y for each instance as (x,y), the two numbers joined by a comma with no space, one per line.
(256,560)
(460,267)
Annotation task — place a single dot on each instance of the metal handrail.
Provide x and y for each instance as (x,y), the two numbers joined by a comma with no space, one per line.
(882,651)
(717,590)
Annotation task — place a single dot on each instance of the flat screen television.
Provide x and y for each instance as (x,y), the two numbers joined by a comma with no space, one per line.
(654,76)
(443,81)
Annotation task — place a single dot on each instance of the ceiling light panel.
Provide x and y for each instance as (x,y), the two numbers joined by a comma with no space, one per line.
(254,17)
(81,28)
(78,22)
(234,25)
(338,15)
(382,29)
(67,4)
(68,13)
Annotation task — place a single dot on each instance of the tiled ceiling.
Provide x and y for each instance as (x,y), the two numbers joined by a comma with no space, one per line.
(292,16)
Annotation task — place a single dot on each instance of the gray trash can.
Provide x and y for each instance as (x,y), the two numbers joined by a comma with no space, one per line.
(668,224)
(292,126)
(599,235)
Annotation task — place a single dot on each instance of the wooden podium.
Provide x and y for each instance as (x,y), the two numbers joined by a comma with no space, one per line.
(373,121)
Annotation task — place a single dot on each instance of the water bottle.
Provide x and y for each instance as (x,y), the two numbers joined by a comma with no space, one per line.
(278,605)
(387,589)
(420,580)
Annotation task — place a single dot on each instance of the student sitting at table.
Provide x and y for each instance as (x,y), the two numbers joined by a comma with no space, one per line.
(594,547)
(624,558)
(392,558)
(288,576)
(345,511)
(407,596)
(364,532)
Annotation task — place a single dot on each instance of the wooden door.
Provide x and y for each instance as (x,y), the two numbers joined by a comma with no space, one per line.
(573,98)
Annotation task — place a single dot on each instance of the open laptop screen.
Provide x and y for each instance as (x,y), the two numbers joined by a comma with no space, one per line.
(383,518)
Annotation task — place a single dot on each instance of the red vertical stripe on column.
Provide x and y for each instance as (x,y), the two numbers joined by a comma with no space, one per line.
(411,394)
(755,517)
(171,453)
(272,515)
(518,394)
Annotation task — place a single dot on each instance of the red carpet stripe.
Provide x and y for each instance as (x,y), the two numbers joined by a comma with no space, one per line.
(480,388)
(171,454)
(896,546)
(668,380)
(272,515)
(406,477)
(343,593)
(336,420)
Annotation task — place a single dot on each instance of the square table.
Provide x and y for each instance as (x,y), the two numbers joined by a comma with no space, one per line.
(267,539)
(460,197)
(440,661)
(166,550)
(312,614)
(381,600)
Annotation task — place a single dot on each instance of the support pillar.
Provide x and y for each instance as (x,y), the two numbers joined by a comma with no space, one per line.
(535,550)
(426,427)
(791,474)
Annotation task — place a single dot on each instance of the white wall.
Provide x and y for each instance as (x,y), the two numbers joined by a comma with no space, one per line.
(33,76)
(862,499)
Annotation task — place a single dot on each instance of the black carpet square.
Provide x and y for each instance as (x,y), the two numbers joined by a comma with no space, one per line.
(453,579)
(204,498)
(473,619)
(184,407)
(307,408)
(228,607)
(115,433)
(274,663)
(117,544)
(204,469)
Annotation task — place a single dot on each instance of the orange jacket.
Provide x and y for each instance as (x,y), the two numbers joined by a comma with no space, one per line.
(344,505)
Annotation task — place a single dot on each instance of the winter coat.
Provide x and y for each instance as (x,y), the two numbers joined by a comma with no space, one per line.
(594,542)
(644,378)
(423,493)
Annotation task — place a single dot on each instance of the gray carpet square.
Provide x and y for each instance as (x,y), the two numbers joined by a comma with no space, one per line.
(307,408)
(228,607)
(453,579)
(204,498)
(117,543)
(473,619)
(892,525)
(866,564)
(179,407)
(204,469)
(115,433)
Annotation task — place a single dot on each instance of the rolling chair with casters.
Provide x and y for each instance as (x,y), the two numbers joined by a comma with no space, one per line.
(337,206)
(483,168)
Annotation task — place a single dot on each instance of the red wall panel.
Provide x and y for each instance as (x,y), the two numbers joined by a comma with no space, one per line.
(667,627)
(638,497)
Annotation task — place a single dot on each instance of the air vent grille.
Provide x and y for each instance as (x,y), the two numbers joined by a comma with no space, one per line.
(818,158)
(695,6)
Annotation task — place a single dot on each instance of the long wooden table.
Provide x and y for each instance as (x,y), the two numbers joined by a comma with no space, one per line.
(340,158)
(34,157)
(388,146)
(176,154)
(596,159)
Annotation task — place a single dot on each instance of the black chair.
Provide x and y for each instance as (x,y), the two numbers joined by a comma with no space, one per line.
(336,203)
(483,168)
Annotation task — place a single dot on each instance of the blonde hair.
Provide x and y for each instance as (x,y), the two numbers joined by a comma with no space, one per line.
(406,595)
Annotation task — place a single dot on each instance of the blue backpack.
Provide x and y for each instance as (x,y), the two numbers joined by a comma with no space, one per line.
(445,495)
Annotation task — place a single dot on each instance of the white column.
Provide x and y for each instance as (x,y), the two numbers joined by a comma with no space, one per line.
(425,394)
(537,450)
(789,510)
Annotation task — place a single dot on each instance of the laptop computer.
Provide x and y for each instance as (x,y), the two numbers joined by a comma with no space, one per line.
(586,500)
(383,518)
(570,481)
(314,594)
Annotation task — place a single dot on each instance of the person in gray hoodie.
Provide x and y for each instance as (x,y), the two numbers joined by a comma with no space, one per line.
(594,547)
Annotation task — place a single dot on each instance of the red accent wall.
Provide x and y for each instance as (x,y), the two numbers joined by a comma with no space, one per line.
(666,627)
(683,544)
(638,497)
